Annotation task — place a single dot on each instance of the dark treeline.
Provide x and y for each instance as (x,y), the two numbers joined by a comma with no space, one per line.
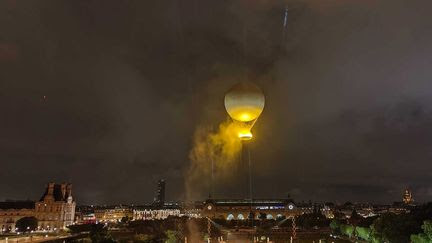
(415,226)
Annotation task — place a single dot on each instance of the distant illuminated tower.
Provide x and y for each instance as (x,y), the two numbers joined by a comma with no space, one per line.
(407,197)
(160,194)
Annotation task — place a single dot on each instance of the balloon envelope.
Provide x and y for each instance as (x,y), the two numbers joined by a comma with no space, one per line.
(244,102)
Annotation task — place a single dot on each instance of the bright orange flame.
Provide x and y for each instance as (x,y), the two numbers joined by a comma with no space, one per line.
(244,133)
(245,136)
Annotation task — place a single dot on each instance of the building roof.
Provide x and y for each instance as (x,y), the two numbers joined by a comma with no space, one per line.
(247,202)
(57,193)
(17,205)
(157,207)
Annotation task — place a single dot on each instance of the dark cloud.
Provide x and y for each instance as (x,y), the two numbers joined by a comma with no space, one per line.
(108,95)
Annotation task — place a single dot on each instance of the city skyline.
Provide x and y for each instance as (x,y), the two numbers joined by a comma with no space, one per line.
(112,98)
(159,199)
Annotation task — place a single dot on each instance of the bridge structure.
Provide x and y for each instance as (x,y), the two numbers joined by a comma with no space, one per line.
(243,209)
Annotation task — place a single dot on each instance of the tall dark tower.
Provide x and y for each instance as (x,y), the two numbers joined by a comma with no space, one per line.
(160,194)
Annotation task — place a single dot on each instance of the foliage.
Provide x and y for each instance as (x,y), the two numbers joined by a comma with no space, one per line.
(308,221)
(423,212)
(26,224)
(355,215)
(420,238)
(366,222)
(348,204)
(335,226)
(426,236)
(338,215)
(99,234)
(155,228)
(391,227)
(363,233)
(125,219)
(394,228)
(265,228)
(347,229)
(172,236)
(427,228)
(355,218)
(262,216)
(143,238)
(80,228)
(176,227)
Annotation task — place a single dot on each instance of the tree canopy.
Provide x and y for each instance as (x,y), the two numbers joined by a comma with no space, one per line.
(426,236)
(26,224)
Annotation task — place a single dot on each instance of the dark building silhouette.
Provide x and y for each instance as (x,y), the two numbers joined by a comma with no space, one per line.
(160,194)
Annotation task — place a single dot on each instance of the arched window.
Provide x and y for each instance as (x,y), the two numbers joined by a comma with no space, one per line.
(269,216)
(240,217)
(230,217)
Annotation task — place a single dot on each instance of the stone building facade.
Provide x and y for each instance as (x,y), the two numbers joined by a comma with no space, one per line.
(241,209)
(54,211)
(12,211)
(56,208)
(112,214)
(149,213)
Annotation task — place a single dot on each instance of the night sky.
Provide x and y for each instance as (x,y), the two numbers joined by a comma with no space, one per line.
(108,95)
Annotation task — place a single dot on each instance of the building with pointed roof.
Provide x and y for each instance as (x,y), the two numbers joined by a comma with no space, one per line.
(54,211)
(407,197)
(56,208)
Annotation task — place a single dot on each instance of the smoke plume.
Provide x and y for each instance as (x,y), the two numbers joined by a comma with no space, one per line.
(220,147)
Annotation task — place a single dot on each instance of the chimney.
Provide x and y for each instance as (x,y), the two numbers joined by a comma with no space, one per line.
(51,189)
(49,196)
(69,190)
(63,191)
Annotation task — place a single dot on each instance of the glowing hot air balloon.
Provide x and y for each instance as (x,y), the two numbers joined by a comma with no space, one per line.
(244,103)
